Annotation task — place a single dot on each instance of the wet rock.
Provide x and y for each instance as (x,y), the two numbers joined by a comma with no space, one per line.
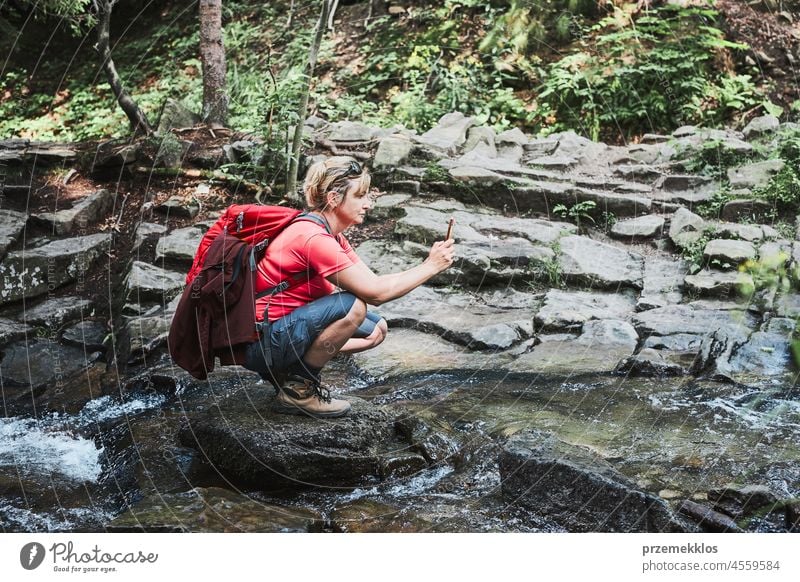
(178,206)
(29,370)
(748,498)
(449,134)
(401,464)
(11,226)
(369,516)
(179,245)
(594,264)
(435,447)
(55,313)
(36,271)
(716,351)
(754,176)
(86,211)
(599,348)
(569,310)
(730,252)
(146,282)
(392,152)
(766,352)
(708,519)
(142,336)
(679,342)
(243,439)
(788,305)
(649,362)
(577,489)
(636,229)
(89,334)
(11,331)
(213,509)
(793,516)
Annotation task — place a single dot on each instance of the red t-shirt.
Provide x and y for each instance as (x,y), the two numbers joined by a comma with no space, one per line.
(303,246)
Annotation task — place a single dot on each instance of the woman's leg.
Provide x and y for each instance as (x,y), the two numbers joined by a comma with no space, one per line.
(370,333)
(334,337)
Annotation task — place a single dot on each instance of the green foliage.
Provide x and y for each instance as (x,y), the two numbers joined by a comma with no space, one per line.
(693,252)
(783,190)
(549,270)
(581,211)
(656,74)
(770,273)
(713,207)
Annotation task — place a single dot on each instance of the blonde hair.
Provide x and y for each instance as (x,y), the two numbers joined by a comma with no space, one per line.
(338,174)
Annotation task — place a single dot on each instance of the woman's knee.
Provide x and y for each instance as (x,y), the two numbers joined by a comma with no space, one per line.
(377,336)
(357,312)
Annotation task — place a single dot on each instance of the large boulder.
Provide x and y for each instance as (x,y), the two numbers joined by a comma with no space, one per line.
(577,489)
(569,310)
(449,134)
(179,245)
(146,282)
(247,442)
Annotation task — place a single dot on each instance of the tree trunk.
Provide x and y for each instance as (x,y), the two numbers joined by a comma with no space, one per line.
(136,116)
(212,56)
(377,8)
(294,158)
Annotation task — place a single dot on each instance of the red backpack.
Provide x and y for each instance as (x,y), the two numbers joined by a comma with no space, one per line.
(216,315)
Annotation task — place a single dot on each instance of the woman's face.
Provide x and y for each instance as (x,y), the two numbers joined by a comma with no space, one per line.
(354,206)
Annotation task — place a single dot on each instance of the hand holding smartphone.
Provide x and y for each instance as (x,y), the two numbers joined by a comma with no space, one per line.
(450,224)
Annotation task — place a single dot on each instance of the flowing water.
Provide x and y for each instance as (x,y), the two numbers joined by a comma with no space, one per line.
(678,438)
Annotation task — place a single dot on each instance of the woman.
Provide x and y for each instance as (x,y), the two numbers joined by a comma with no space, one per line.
(309,320)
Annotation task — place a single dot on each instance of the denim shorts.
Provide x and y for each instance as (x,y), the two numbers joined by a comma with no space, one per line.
(290,336)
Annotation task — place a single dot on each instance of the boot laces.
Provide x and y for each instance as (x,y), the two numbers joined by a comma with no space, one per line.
(323,393)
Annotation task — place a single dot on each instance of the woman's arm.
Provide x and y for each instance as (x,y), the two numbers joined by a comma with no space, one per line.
(376,289)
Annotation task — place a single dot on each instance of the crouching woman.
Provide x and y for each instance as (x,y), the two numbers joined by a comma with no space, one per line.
(319,308)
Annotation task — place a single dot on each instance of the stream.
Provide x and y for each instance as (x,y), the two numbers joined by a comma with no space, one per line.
(678,438)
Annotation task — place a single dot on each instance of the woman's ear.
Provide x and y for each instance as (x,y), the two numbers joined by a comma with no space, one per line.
(332,199)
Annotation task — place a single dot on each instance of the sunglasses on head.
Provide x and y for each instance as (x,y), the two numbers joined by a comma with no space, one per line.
(351,170)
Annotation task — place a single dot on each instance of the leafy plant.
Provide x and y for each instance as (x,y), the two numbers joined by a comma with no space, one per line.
(577,212)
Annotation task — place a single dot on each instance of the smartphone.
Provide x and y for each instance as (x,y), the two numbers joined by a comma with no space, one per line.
(450,224)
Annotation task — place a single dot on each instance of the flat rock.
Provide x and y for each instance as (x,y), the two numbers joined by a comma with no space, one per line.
(599,348)
(641,228)
(684,319)
(713,283)
(569,310)
(86,211)
(730,252)
(213,510)
(595,264)
(179,206)
(745,208)
(12,224)
(651,363)
(408,351)
(40,364)
(754,176)
(179,245)
(11,331)
(761,125)
(577,489)
(146,282)
(766,352)
(36,271)
(89,334)
(462,321)
(349,131)
(57,312)
(370,516)
(142,336)
(146,230)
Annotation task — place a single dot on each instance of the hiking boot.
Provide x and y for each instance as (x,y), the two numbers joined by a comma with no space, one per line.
(302,396)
